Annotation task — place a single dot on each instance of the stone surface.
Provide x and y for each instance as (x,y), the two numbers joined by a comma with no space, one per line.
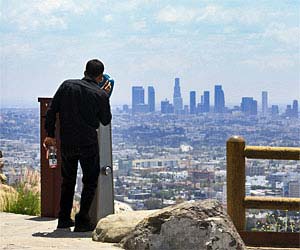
(31,232)
(190,225)
(113,228)
(121,207)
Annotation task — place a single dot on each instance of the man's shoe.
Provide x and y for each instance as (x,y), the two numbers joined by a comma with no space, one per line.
(65,223)
(84,228)
(83,223)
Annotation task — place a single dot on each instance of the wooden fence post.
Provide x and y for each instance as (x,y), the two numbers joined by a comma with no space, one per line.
(236,181)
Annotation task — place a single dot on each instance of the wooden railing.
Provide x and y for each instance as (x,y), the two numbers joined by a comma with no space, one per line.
(238,202)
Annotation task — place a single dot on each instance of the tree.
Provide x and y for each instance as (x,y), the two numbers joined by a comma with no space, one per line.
(153,203)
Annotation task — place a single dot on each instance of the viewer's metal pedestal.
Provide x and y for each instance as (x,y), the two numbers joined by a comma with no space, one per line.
(103,203)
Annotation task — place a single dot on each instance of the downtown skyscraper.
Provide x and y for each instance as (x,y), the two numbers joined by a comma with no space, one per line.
(166,107)
(151,99)
(264,102)
(206,104)
(249,106)
(138,95)
(219,99)
(295,109)
(292,110)
(138,98)
(177,99)
(192,102)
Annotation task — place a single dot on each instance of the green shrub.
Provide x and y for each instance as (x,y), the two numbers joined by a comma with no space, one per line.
(26,201)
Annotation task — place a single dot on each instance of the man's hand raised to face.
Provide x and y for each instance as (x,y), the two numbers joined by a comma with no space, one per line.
(106,87)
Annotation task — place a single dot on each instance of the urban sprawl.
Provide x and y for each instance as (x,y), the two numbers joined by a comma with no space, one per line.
(177,153)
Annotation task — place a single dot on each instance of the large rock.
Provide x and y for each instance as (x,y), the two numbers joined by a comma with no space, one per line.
(113,228)
(121,207)
(190,225)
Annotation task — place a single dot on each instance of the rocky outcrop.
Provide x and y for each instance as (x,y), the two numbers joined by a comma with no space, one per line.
(121,207)
(113,228)
(190,225)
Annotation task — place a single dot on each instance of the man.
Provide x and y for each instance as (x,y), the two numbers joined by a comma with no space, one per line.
(81,105)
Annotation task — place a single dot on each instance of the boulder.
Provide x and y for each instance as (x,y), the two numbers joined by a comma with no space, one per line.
(189,225)
(121,207)
(113,228)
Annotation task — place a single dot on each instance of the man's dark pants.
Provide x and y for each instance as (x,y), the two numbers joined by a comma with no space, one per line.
(88,156)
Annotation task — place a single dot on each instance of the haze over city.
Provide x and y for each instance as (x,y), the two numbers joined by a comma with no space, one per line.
(206,93)
(245,47)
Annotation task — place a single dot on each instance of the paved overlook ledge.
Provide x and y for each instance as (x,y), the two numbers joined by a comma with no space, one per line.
(30,232)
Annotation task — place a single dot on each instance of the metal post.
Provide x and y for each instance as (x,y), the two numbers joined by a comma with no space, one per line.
(236,181)
(103,203)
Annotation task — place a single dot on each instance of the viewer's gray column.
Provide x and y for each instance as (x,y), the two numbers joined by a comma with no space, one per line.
(103,203)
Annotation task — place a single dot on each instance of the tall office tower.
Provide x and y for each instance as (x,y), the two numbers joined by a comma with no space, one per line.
(206,102)
(177,99)
(295,109)
(219,99)
(254,107)
(186,109)
(264,102)
(202,99)
(249,106)
(192,102)
(166,107)
(151,99)
(138,98)
(199,108)
(274,110)
(289,111)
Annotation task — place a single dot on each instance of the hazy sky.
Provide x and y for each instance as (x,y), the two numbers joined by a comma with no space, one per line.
(247,46)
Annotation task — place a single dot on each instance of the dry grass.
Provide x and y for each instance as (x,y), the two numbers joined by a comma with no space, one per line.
(7,193)
(24,196)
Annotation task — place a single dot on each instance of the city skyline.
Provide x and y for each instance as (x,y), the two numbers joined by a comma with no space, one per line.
(201,103)
(184,95)
(244,46)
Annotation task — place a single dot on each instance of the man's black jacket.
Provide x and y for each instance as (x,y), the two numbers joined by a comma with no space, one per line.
(81,105)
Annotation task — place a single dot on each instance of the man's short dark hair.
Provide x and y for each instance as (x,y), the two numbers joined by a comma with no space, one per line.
(94,68)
